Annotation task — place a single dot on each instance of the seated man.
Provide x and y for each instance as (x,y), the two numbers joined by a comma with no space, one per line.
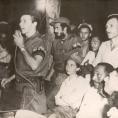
(94,101)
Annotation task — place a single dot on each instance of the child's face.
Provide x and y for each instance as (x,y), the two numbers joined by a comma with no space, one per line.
(95,43)
(111,83)
(71,67)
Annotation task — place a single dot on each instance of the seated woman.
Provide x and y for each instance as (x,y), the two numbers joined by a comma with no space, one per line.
(94,44)
(71,92)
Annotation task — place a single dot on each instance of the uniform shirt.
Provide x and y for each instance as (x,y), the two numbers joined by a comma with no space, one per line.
(106,54)
(92,105)
(34,45)
(71,91)
(62,50)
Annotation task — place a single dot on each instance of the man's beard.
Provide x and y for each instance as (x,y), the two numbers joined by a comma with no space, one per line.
(61,36)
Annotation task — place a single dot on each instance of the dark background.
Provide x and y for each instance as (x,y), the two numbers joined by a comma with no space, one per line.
(93,11)
(75,10)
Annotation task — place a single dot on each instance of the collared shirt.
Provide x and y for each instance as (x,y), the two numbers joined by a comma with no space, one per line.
(107,54)
(92,105)
(71,91)
(34,45)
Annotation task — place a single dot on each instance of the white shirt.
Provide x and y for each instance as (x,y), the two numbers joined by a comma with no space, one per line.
(106,54)
(72,91)
(92,105)
(27,114)
(89,57)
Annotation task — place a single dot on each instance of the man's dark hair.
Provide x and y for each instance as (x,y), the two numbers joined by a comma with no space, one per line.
(84,26)
(108,67)
(112,16)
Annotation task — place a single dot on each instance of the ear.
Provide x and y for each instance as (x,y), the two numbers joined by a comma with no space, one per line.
(35,23)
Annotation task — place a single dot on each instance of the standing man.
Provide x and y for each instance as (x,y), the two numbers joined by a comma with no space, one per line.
(30,64)
(85,31)
(63,47)
(108,51)
(84,36)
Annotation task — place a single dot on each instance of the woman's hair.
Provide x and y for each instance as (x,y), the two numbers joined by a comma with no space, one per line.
(86,69)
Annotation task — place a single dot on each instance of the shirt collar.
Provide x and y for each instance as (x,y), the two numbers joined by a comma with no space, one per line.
(33,36)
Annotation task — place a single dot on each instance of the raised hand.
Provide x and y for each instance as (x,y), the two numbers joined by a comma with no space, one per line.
(18,39)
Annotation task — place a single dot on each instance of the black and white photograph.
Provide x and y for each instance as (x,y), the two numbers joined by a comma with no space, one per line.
(58,59)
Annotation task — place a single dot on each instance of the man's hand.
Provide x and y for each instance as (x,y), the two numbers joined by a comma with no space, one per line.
(4,82)
(18,39)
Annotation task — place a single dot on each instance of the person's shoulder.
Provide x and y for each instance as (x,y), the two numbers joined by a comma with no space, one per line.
(90,52)
(105,43)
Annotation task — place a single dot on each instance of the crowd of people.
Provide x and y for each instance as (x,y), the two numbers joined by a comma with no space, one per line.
(65,73)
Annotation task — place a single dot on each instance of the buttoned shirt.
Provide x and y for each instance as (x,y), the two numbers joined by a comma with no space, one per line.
(92,104)
(71,91)
(107,54)
(62,50)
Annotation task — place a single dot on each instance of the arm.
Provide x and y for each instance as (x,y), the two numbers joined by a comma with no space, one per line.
(32,61)
(7,80)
